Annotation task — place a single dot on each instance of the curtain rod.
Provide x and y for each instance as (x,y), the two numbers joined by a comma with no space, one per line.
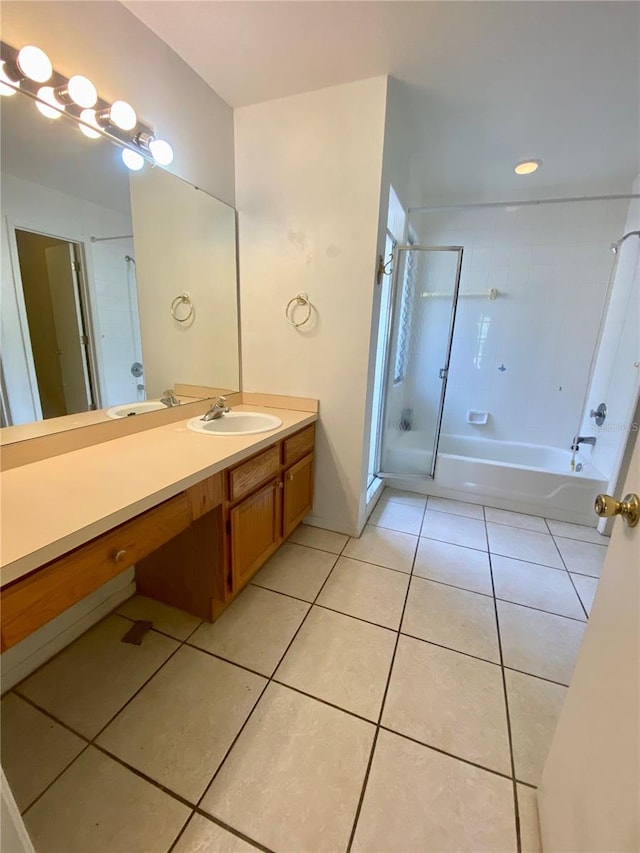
(522,203)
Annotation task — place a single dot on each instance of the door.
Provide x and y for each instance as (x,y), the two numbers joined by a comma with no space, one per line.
(71,337)
(426,280)
(589,798)
(298,494)
(254,532)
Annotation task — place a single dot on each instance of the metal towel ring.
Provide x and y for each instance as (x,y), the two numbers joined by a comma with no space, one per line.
(182,299)
(298,299)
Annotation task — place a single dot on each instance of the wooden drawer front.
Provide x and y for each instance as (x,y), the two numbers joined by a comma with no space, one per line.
(298,494)
(32,602)
(299,445)
(255,528)
(248,476)
(206,495)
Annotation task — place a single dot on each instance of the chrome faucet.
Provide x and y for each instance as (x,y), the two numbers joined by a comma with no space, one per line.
(169,398)
(583,439)
(217,410)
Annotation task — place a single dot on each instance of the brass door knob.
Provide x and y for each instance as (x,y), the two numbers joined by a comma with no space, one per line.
(629,508)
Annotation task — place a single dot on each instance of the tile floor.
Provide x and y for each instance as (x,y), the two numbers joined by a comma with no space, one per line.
(396,692)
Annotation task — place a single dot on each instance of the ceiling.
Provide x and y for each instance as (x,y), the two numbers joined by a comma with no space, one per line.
(484,84)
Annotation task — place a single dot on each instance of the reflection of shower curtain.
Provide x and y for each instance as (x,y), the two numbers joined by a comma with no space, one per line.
(134,319)
(405,324)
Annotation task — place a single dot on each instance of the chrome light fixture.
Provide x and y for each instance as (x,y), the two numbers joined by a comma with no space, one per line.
(29,68)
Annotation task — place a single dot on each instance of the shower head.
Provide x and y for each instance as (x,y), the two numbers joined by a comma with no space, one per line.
(615,247)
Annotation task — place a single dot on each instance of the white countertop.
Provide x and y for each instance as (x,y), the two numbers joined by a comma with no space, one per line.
(54,505)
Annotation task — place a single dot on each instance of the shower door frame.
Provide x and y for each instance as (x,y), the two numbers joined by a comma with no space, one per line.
(399,247)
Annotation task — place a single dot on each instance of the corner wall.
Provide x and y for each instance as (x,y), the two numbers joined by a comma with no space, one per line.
(308,177)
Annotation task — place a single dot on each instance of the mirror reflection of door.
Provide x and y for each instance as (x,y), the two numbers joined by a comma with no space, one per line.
(56,318)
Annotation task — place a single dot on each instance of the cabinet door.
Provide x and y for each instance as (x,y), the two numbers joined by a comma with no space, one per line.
(254,533)
(298,493)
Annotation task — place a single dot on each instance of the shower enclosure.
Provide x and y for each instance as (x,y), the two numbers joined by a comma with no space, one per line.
(505,322)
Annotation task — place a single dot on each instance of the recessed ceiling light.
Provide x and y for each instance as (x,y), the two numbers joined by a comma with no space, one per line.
(527,167)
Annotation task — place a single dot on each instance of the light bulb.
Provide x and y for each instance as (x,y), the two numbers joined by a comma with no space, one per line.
(161,151)
(132,160)
(5,89)
(123,115)
(82,91)
(89,118)
(47,104)
(527,167)
(34,64)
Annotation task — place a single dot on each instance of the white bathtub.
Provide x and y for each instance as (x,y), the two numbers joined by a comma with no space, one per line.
(528,478)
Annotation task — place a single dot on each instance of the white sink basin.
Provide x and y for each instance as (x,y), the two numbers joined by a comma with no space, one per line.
(236,423)
(128,409)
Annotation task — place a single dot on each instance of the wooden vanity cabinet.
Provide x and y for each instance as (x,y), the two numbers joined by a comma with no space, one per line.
(195,551)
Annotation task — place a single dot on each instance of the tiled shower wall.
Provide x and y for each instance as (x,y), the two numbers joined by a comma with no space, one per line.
(550,264)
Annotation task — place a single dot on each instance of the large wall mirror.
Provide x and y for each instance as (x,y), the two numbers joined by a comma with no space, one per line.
(116,285)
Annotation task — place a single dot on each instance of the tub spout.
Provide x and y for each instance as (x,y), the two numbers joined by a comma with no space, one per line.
(583,439)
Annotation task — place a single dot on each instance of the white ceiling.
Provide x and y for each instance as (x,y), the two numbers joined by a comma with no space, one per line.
(486,83)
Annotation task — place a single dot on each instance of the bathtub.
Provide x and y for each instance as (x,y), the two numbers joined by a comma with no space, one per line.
(528,478)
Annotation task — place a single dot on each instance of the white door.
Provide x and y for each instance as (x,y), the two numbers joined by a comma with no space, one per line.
(589,798)
(67,316)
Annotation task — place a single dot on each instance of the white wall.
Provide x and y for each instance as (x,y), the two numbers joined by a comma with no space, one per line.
(184,235)
(38,208)
(616,376)
(551,265)
(308,174)
(104,41)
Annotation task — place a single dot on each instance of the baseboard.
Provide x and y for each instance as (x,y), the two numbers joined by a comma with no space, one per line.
(22,659)
(334,524)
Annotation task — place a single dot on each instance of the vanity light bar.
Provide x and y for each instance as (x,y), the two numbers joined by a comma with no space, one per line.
(29,70)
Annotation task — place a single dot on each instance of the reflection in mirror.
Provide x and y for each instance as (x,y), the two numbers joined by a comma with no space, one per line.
(96,262)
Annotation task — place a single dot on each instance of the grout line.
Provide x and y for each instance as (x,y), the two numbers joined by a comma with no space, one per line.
(566,568)
(268,682)
(444,752)
(382,704)
(506,701)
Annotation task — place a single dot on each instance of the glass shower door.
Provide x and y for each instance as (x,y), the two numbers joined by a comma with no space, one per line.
(423,306)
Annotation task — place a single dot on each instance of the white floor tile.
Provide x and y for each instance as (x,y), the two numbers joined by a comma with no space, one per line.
(586,587)
(255,630)
(293,778)
(340,659)
(296,570)
(205,836)
(577,531)
(178,728)
(383,547)
(87,684)
(539,643)
(529,822)
(397,516)
(316,537)
(535,586)
(456,529)
(534,710)
(169,620)
(450,701)
(98,805)
(516,519)
(420,801)
(366,591)
(453,564)
(523,545)
(455,618)
(455,507)
(404,497)
(584,558)
(35,749)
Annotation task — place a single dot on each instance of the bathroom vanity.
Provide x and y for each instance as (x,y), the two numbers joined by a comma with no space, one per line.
(197,515)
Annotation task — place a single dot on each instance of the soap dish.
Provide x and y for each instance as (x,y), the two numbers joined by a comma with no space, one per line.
(479,418)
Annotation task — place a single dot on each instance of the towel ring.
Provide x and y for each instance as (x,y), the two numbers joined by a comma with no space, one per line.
(183,299)
(299,299)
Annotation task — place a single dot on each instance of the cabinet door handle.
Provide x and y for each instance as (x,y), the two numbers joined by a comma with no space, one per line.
(290,477)
(281,485)
(120,555)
